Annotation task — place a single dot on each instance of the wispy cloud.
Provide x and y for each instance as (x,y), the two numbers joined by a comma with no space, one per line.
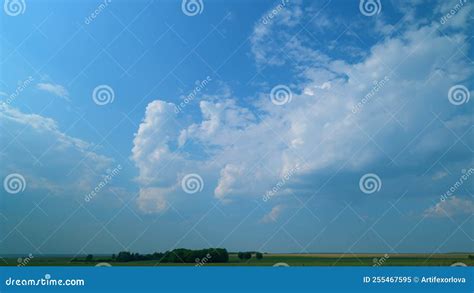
(450,207)
(61,157)
(273,215)
(55,89)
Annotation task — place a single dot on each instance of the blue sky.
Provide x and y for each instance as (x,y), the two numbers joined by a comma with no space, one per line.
(249,125)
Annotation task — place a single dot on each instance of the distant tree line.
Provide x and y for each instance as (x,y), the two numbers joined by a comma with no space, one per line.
(181,255)
(90,258)
(248,255)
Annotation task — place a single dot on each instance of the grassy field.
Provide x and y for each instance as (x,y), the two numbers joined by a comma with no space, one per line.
(272,259)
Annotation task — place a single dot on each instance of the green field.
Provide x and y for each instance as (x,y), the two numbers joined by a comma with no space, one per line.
(272,259)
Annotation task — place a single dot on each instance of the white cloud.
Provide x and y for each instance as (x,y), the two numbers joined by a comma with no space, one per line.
(227,180)
(154,154)
(263,36)
(439,175)
(455,13)
(221,120)
(451,206)
(247,148)
(153,199)
(273,215)
(51,160)
(153,143)
(55,89)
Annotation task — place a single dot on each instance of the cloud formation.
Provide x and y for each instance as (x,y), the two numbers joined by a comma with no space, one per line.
(451,207)
(273,215)
(62,164)
(344,116)
(55,89)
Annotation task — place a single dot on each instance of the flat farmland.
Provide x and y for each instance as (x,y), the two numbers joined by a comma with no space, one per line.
(330,259)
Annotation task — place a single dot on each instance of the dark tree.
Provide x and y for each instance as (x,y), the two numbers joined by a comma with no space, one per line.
(157,256)
(220,255)
(89,257)
(124,256)
(180,255)
(259,255)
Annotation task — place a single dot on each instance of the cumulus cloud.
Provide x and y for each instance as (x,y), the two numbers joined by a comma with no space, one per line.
(153,199)
(154,154)
(450,207)
(55,89)
(155,144)
(342,114)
